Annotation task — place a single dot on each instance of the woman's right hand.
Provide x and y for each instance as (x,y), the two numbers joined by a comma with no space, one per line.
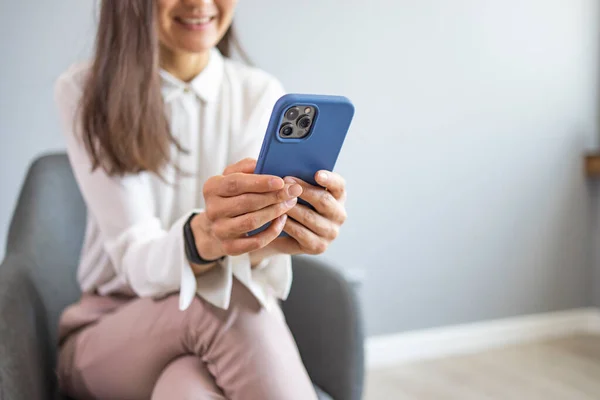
(238,202)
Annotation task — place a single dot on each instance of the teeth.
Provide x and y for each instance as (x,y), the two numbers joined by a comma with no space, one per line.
(196,21)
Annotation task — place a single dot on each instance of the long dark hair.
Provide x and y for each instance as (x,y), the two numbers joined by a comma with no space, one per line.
(123,122)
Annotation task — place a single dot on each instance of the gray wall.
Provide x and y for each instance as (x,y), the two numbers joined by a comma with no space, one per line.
(467,200)
(38,40)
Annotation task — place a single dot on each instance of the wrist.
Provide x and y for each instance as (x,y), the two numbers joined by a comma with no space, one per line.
(207,246)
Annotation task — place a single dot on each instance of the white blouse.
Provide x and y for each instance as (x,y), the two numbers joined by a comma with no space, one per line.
(134,236)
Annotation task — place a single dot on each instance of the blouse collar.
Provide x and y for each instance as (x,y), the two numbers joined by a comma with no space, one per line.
(205,85)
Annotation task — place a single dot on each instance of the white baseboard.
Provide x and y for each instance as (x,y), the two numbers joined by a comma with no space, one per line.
(387,350)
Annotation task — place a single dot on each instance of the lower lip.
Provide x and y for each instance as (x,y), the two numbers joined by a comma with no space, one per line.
(195,27)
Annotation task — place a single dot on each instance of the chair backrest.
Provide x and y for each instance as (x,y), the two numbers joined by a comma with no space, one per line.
(47,231)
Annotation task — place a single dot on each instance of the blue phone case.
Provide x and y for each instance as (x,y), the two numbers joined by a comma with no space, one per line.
(303,157)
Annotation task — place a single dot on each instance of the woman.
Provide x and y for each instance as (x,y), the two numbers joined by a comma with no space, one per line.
(179,303)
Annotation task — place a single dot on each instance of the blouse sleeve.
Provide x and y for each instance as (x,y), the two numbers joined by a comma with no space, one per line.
(149,257)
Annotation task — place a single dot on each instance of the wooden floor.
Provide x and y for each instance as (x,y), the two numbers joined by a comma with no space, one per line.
(560,369)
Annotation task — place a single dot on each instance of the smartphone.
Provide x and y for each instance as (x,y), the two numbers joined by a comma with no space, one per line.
(305,134)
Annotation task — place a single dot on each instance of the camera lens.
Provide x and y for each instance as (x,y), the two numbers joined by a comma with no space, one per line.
(286,130)
(304,122)
(292,113)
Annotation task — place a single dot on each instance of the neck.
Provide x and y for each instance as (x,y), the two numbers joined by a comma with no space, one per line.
(183,66)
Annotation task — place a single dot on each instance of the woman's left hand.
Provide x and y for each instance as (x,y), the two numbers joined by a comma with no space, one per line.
(312,231)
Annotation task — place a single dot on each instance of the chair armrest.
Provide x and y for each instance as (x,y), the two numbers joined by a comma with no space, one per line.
(324,316)
(25,363)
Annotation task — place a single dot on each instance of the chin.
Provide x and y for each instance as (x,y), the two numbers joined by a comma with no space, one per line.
(197,48)
(197,45)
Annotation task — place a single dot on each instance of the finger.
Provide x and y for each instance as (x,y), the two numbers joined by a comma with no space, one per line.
(322,200)
(246,166)
(247,244)
(229,207)
(229,228)
(308,240)
(343,198)
(318,224)
(333,182)
(287,245)
(238,183)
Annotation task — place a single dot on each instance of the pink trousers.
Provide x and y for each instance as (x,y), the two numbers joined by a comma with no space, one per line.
(141,348)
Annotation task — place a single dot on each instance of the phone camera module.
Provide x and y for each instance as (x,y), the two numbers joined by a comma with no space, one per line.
(304,122)
(292,113)
(286,130)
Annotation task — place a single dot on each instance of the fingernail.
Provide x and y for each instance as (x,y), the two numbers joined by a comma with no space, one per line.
(291,202)
(288,179)
(295,190)
(323,176)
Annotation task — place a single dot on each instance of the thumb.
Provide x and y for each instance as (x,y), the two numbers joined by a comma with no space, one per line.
(245,166)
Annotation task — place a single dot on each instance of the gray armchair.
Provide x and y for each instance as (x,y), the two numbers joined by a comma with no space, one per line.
(37,280)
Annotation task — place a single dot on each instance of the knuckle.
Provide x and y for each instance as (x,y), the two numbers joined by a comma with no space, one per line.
(301,234)
(291,228)
(319,227)
(211,213)
(319,246)
(325,199)
(229,167)
(310,216)
(218,230)
(343,216)
(228,247)
(208,187)
(280,195)
(249,223)
(336,232)
(231,186)
(332,232)
(249,161)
